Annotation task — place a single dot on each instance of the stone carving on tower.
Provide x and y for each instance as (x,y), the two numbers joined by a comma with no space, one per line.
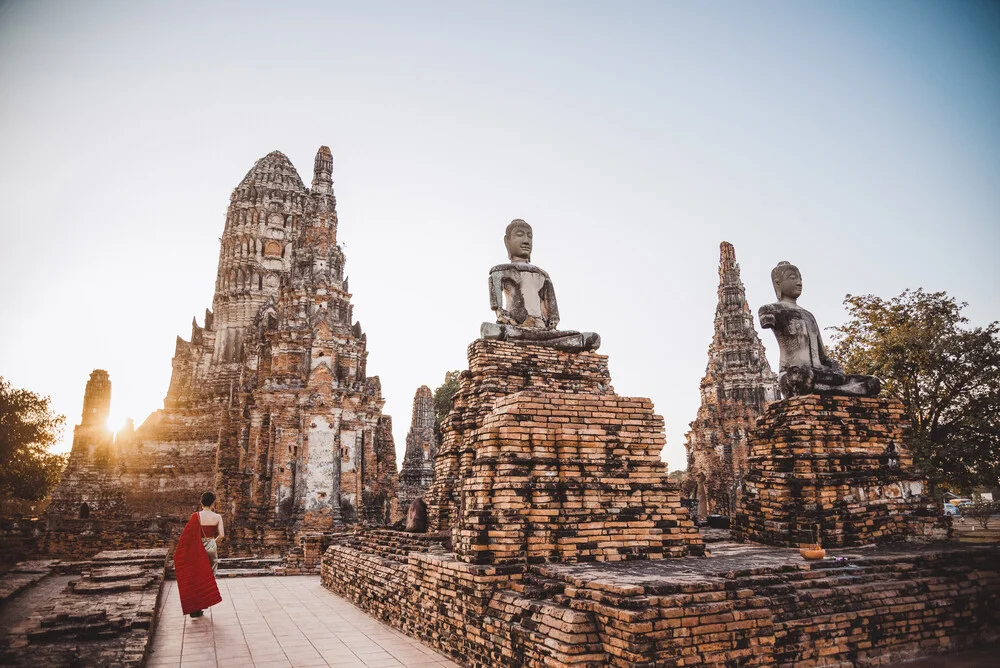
(738,383)
(417,472)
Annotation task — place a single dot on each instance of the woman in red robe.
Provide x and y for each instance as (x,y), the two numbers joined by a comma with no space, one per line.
(196,559)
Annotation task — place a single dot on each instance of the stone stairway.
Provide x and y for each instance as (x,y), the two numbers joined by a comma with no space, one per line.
(238,567)
(397,545)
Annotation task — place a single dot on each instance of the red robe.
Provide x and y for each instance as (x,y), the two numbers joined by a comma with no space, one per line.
(195,581)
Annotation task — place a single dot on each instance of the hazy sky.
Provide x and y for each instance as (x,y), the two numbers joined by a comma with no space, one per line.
(858,140)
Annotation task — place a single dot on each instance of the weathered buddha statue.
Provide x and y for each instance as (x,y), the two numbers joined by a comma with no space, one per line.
(805,367)
(524,300)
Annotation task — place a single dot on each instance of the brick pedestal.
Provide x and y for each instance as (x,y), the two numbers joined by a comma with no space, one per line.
(563,477)
(542,462)
(836,466)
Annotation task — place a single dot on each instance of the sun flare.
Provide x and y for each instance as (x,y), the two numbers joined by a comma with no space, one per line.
(115,422)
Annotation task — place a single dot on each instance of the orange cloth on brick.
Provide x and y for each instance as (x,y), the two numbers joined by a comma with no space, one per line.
(195,581)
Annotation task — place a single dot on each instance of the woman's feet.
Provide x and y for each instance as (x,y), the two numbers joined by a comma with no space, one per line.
(197,613)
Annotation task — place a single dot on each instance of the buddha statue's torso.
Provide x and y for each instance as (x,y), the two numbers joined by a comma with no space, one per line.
(798,335)
(527,293)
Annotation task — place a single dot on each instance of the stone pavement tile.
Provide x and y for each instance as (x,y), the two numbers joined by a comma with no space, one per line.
(286,622)
(163,662)
(388,662)
(307,663)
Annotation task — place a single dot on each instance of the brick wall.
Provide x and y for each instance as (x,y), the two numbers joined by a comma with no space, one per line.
(837,467)
(871,608)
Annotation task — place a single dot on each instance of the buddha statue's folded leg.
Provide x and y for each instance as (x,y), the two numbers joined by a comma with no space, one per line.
(564,340)
(836,382)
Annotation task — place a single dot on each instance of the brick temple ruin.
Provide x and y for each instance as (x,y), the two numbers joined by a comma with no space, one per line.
(270,402)
(557,540)
(417,472)
(555,536)
(738,383)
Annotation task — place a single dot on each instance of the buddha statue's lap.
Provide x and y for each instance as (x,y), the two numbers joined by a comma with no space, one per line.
(805,367)
(524,300)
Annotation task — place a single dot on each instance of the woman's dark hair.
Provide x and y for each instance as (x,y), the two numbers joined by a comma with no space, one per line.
(207,499)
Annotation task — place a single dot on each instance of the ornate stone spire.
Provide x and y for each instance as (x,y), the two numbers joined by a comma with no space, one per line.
(738,382)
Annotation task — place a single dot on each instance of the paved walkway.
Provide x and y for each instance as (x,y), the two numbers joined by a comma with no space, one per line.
(267,622)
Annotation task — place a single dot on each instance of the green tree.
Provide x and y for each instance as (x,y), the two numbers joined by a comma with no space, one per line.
(444,398)
(28,427)
(946,374)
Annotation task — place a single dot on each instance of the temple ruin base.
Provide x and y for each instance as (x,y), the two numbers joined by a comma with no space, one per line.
(746,605)
(833,470)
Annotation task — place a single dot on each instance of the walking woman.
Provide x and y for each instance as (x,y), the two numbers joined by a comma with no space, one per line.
(197,558)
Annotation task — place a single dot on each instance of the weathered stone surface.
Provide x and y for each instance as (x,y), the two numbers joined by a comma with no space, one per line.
(304,446)
(833,468)
(417,472)
(747,605)
(805,367)
(269,404)
(524,299)
(738,382)
(541,461)
(103,618)
(416,516)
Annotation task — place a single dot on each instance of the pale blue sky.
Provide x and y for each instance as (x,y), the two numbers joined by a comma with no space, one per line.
(858,140)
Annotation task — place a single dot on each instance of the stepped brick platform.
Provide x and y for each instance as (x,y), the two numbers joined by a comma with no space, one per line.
(101,619)
(542,462)
(746,605)
(564,477)
(837,467)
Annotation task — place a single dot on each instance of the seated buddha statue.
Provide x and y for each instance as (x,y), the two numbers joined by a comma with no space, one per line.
(805,368)
(524,300)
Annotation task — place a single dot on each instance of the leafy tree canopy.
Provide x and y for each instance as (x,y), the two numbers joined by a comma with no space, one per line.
(444,397)
(28,427)
(946,374)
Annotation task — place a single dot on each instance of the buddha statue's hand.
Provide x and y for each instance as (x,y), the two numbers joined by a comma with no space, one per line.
(504,317)
(834,365)
(552,322)
(767,316)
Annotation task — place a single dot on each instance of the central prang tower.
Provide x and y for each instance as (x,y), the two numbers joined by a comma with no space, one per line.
(304,445)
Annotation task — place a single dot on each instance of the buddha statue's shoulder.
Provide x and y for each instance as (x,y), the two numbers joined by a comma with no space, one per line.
(774,315)
(776,307)
(518,268)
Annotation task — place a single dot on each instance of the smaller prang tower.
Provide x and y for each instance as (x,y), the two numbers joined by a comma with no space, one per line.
(88,487)
(417,474)
(738,383)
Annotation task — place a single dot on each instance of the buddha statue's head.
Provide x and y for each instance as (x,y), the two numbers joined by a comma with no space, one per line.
(518,241)
(787,280)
